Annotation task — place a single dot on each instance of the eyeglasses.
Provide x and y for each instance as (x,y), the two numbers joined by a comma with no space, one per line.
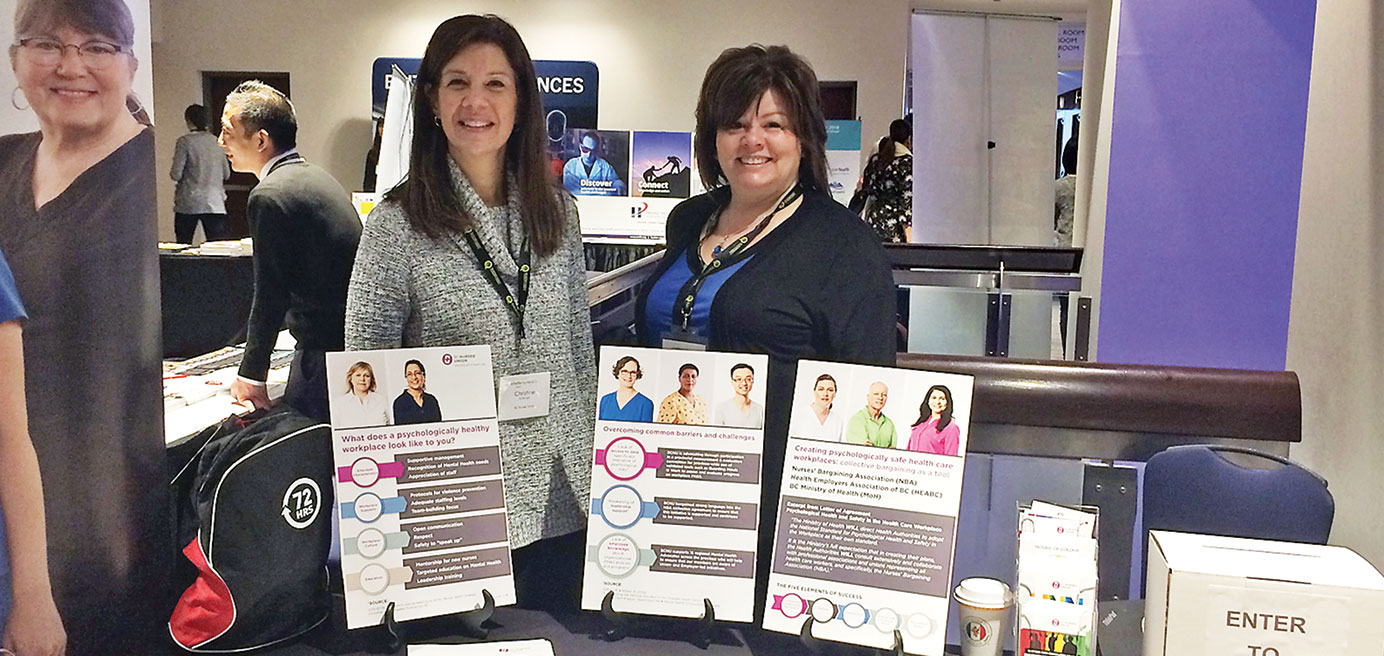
(414,374)
(96,55)
(634,372)
(584,149)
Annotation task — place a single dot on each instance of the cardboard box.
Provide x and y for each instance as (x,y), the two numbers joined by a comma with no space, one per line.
(1232,596)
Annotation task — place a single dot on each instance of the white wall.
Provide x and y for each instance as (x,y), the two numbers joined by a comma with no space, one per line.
(651,56)
(1336,328)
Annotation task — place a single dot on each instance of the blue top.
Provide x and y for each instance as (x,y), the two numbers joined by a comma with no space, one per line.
(639,408)
(10,307)
(658,311)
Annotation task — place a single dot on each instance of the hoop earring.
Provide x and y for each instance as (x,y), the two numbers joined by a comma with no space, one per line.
(14,100)
(437,121)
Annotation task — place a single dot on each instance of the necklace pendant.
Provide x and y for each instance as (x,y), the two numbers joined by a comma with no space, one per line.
(715,250)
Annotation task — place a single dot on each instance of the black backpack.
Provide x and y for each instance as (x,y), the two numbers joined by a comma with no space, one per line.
(254,519)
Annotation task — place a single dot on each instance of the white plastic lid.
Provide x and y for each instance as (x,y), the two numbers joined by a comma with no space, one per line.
(983,593)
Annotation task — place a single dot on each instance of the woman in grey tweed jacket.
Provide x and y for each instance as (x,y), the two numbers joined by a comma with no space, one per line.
(478,164)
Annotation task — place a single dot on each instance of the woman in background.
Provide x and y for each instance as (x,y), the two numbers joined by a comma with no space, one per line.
(889,186)
(935,432)
(479,246)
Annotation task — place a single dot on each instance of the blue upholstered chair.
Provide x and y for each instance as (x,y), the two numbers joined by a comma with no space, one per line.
(1196,490)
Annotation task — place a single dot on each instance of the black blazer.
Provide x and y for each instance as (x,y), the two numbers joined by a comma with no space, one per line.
(305,232)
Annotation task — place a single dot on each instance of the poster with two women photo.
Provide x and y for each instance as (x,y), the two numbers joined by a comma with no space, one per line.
(876,453)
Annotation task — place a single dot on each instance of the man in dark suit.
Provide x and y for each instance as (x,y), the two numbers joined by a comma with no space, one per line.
(305,234)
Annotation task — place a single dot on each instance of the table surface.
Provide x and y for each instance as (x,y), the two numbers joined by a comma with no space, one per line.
(571,634)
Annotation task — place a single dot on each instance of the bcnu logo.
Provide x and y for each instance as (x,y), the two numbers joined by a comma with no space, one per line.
(977,631)
(637,211)
(446,359)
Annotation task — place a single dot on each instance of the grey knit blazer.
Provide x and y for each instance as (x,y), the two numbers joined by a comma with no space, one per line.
(410,290)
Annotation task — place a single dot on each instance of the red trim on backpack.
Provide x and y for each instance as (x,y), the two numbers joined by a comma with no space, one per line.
(206,609)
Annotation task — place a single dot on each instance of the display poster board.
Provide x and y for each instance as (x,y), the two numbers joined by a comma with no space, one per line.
(422,505)
(868,510)
(625,183)
(675,483)
(85,268)
(569,89)
(843,159)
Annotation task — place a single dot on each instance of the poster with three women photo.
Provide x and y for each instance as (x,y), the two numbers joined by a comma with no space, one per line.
(876,453)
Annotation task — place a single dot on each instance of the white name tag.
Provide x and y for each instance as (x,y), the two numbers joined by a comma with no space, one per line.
(525,396)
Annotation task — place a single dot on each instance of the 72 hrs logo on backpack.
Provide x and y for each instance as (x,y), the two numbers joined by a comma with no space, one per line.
(302,502)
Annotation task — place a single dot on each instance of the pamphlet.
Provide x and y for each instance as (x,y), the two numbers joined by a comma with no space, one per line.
(867,515)
(419,482)
(676,483)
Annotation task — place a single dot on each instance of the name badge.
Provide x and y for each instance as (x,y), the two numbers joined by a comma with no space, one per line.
(678,339)
(525,396)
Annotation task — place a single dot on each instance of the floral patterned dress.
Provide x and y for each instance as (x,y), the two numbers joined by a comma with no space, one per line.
(890,189)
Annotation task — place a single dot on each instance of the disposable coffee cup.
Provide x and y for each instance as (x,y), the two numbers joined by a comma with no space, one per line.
(984,605)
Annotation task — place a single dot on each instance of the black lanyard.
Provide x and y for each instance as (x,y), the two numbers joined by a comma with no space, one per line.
(487,263)
(687,296)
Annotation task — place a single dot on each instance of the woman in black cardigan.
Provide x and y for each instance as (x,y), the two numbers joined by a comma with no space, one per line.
(772,263)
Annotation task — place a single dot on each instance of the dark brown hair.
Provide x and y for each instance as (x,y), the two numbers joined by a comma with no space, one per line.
(736,81)
(620,364)
(899,132)
(109,18)
(426,195)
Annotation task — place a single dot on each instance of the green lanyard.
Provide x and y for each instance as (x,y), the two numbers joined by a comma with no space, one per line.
(487,263)
(687,296)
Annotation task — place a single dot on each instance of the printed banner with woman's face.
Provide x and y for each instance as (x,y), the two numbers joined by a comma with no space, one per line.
(77,229)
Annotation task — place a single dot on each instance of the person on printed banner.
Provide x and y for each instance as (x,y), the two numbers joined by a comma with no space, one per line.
(871,426)
(441,264)
(682,406)
(819,420)
(589,174)
(415,405)
(626,403)
(78,222)
(361,406)
(28,615)
(739,411)
(199,172)
(935,432)
(305,232)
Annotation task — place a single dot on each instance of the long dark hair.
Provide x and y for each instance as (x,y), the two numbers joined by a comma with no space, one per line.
(924,412)
(426,195)
(899,132)
(736,81)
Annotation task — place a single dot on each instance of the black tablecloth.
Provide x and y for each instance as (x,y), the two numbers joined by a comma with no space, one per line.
(206,301)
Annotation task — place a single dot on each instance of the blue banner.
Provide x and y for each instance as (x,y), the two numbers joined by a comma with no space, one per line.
(568,88)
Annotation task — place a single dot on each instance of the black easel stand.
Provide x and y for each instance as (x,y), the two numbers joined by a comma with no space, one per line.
(840,649)
(391,637)
(618,625)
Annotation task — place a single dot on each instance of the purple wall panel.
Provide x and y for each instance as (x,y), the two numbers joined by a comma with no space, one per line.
(1210,113)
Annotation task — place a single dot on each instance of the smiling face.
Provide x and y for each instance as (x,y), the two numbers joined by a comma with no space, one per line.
(877,397)
(759,156)
(687,380)
(415,377)
(361,380)
(937,402)
(476,102)
(85,95)
(628,374)
(825,391)
(742,381)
